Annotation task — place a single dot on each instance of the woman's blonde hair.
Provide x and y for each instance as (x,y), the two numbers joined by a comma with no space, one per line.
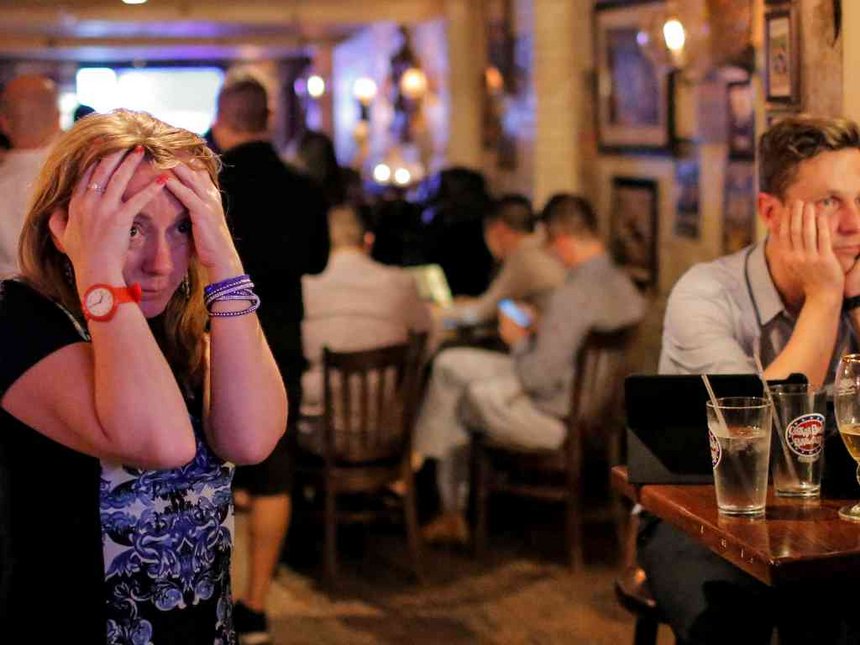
(180,329)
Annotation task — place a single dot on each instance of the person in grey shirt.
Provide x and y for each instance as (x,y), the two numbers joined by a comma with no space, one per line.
(794,299)
(529,272)
(520,398)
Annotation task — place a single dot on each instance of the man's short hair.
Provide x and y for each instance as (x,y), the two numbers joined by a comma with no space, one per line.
(795,139)
(347,225)
(569,214)
(514,211)
(243,104)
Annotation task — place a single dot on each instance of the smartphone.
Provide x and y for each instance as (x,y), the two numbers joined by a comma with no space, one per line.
(515,313)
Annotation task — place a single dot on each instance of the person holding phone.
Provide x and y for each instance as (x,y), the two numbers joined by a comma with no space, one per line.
(133,376)
(528,272)
(521,397)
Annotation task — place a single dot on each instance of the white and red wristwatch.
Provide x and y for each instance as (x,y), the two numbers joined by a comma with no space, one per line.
(101,300)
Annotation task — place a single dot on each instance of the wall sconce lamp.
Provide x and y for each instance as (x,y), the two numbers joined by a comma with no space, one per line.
(680,40)
(364,91)
(675,38)
(316,86)
(413,84)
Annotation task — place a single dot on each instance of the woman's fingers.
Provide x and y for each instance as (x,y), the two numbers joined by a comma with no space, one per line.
(122,175)
(140,199)
(189,198)
(197,180)
(86,178)
(106,167)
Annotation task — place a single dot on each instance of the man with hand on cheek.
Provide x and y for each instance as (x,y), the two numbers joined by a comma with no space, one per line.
(794,299)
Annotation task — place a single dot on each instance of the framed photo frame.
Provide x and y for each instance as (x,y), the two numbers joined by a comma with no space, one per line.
(782,56)
(633,228)
(741,120)
(687,201)
(633,109)
(739,210)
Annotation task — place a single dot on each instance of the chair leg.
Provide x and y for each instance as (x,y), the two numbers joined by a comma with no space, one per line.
(573,532)
(330,539)
(480,488)
(645,632)
(411,516)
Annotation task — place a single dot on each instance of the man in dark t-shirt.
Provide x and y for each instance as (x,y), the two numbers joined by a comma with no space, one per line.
(278,219)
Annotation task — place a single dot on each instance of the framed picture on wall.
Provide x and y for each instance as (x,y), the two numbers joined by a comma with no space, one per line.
(633,228)
(687,212)
(782,56)
(739,210)
(741,115)
(632,95)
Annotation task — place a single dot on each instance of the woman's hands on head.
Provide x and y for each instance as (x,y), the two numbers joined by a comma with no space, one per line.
(212,239)
(94,231)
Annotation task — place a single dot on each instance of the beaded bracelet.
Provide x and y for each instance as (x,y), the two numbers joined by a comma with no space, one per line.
(238,288)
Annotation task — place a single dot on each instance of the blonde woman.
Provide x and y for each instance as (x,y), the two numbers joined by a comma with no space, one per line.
(127,393)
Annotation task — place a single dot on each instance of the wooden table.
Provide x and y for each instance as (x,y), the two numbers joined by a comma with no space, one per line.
(796,541)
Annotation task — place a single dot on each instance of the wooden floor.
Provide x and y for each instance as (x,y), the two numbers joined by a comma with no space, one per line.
(521,595)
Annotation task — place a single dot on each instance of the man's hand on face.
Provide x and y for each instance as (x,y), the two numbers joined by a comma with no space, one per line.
(804,240)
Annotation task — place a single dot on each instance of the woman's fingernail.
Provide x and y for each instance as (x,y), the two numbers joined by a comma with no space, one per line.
(162,179)
(138,149)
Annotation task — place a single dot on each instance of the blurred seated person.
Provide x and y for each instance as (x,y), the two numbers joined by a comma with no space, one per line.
(397,230)
(356,303)
(452,232)
(520,399)
(529,272)
(317,158)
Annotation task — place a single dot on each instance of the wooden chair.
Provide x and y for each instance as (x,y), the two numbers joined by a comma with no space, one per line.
(595,417)
(370,399)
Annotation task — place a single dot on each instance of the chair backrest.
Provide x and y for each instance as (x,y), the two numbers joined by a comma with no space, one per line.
(369,401)
(597,387)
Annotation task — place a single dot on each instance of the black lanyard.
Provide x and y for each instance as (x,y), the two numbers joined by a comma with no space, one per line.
(749,288)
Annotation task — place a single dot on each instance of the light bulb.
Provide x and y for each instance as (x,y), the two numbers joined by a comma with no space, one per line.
(402,176)
(674,35)
(364,89)
(382,173)
(316,86)
(413,83)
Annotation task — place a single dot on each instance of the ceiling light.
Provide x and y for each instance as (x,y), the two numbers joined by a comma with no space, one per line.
(134,1)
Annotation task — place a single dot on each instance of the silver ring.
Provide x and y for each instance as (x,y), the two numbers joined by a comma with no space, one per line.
(96,187)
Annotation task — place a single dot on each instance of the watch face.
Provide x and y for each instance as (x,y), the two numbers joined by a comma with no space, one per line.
(99,301)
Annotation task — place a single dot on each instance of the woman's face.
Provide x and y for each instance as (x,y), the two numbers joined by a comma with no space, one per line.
(160,244)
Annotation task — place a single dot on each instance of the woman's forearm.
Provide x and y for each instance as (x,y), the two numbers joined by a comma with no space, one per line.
(137,399)
(247,411)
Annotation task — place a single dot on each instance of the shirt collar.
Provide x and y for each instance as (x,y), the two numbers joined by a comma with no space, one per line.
(762,289)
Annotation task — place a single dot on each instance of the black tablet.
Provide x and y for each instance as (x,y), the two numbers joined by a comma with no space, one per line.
(667,427)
